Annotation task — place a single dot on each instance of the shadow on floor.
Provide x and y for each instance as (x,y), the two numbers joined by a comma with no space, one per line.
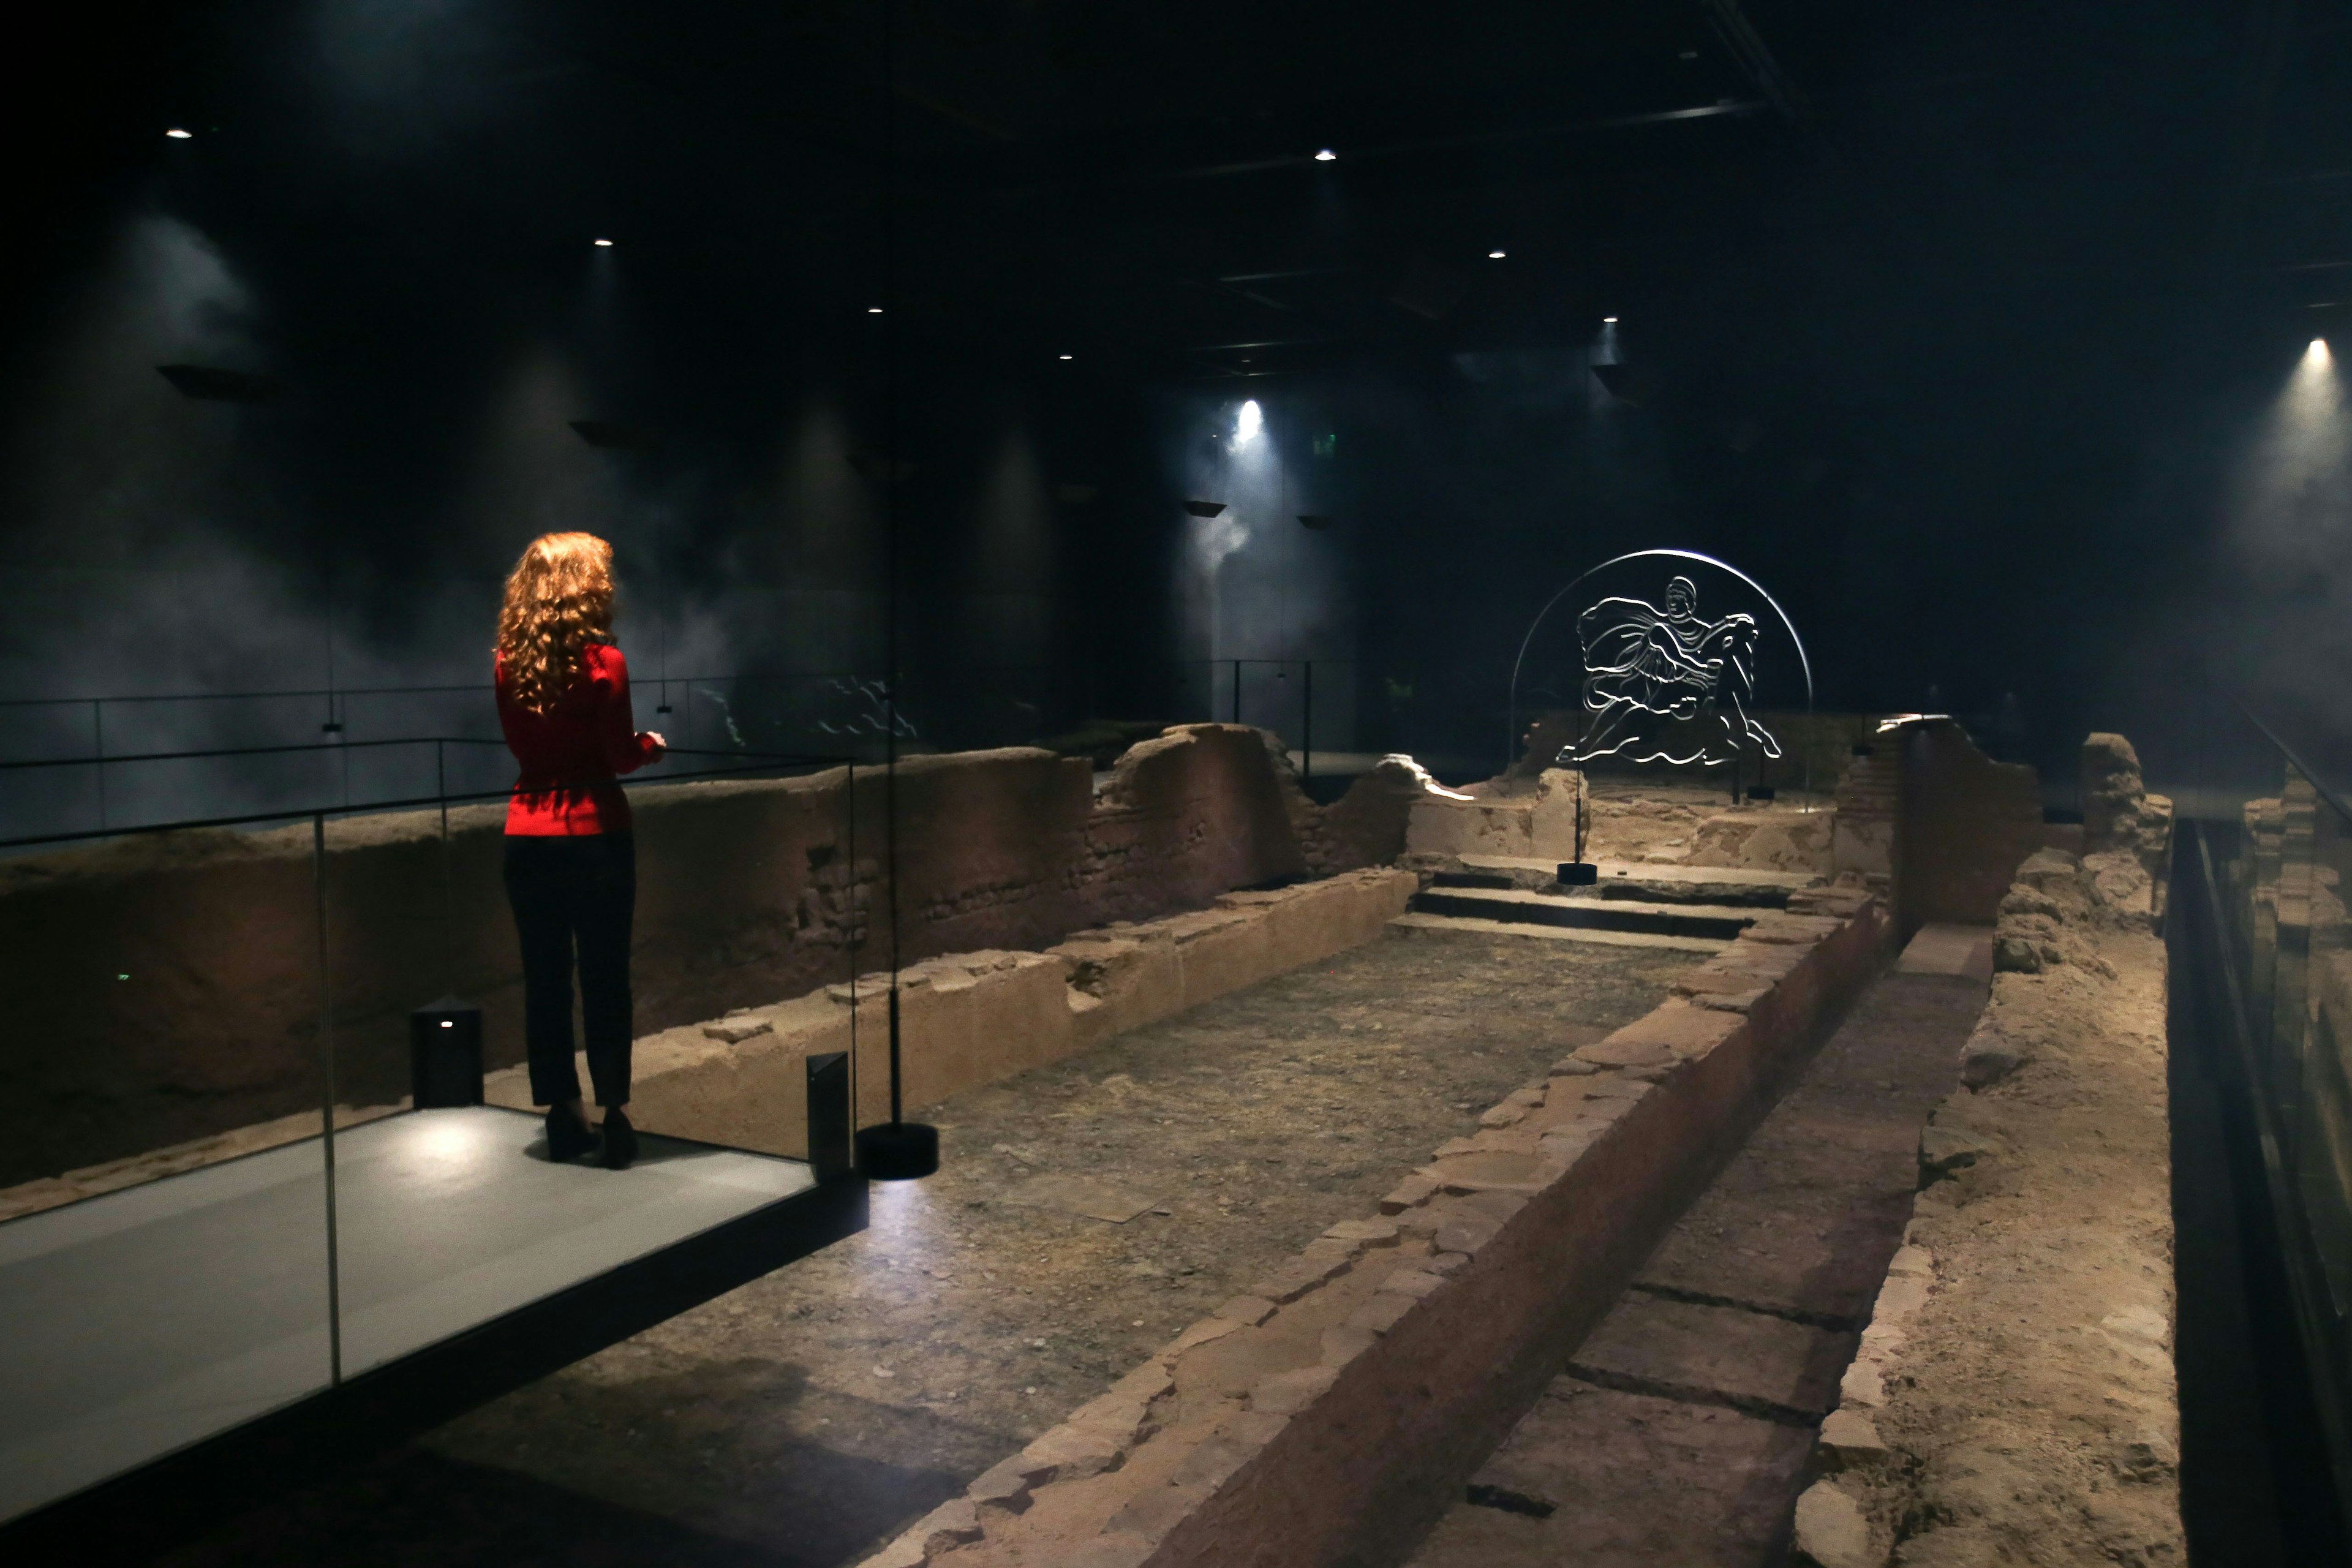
(413,1506)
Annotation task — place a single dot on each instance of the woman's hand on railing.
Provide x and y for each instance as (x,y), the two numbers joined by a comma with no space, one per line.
(659,744)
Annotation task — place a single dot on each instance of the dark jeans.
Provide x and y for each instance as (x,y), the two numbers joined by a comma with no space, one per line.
(565,891)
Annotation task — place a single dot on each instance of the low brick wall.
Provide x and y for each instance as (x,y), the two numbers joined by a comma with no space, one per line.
(1329,1415)
(165,988)
(971,1019)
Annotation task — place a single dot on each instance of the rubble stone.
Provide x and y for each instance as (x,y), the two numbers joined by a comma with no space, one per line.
(1831,1532)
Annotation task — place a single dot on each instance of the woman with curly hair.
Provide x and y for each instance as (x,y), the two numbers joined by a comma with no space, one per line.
(570,860)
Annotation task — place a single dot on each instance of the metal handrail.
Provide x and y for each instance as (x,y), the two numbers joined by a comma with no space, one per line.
(758,762)
(333,746)
(2295,760)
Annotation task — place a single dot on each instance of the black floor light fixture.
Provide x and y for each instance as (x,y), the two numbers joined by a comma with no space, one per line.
(898,1149)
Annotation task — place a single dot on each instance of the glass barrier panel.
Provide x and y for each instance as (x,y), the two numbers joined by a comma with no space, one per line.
(2279,849)
(163,1212)
(457,1200)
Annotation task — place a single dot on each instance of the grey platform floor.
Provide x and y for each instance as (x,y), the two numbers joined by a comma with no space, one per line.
(135,1323)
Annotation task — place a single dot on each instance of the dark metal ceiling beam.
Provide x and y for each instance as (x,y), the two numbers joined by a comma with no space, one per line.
(1747,47)
(1729,107)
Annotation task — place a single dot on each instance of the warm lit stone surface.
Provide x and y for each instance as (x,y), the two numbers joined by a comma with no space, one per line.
(811,1416)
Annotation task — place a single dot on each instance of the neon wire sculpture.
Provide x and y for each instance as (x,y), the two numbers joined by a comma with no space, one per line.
(1665,686)
(1661,683)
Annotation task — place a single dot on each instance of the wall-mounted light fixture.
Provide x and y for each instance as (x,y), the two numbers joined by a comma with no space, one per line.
(208,383)
(610,435)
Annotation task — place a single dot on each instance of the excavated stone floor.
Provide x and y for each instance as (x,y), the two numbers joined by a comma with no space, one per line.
(1679,1431)
(807,1416)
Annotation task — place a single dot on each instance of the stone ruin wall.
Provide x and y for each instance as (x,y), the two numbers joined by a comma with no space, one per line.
(165,987)
(1966,823)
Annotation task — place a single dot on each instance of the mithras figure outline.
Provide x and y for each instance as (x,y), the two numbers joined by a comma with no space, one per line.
(1664,685)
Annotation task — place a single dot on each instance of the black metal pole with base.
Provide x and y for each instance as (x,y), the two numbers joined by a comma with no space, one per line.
(899,1150)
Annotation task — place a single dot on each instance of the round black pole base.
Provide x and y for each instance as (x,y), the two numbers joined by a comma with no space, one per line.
(1579,873)
(897,1152)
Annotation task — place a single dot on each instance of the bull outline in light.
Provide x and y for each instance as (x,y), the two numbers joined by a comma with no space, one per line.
(1665,685)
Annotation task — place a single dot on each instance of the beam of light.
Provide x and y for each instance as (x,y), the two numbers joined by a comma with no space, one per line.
(1248,423)
(2291,496)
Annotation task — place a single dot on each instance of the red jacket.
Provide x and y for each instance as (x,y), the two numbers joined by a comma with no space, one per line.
(570,752)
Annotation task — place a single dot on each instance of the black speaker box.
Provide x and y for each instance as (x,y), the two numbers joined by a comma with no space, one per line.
(445,1053)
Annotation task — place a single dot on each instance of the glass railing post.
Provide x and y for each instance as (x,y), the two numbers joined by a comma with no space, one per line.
(326,1098)
(98,750)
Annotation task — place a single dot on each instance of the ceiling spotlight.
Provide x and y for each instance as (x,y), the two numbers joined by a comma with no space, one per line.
(605,244)
(1325,155)
(176,135)
(1609,321)
(1248,422)
(1063,356)
(873,310)
(1494,256)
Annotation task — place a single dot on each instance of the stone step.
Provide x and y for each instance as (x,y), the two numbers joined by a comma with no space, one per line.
(1466,925)
(1716,922)
(1639,881)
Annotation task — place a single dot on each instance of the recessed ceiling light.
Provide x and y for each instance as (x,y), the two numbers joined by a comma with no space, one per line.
(605,243)
(1609,321)
(176,135)
(1325,155)
(873,310)
(1065,356)
(1494,256)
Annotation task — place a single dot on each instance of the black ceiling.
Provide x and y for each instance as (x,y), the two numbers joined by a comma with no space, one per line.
(1138,182)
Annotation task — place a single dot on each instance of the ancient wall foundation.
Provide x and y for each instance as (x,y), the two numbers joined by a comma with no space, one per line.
(2034,1293)
(971,1019)
(166,987)
(1319,1417)
(1966,822)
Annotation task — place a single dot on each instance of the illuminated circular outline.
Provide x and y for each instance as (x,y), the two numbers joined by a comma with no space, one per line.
(1804,659)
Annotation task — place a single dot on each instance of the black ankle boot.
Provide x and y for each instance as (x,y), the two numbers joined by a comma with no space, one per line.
(620,1141)
(568,1137)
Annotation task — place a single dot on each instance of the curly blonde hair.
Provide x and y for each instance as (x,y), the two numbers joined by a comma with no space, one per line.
(558,598)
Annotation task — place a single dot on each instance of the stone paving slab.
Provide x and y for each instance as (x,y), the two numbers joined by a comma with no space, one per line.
(1736,1330)
(1790,1246)
(1473,926)
(1631,1482)
(1764,1365)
